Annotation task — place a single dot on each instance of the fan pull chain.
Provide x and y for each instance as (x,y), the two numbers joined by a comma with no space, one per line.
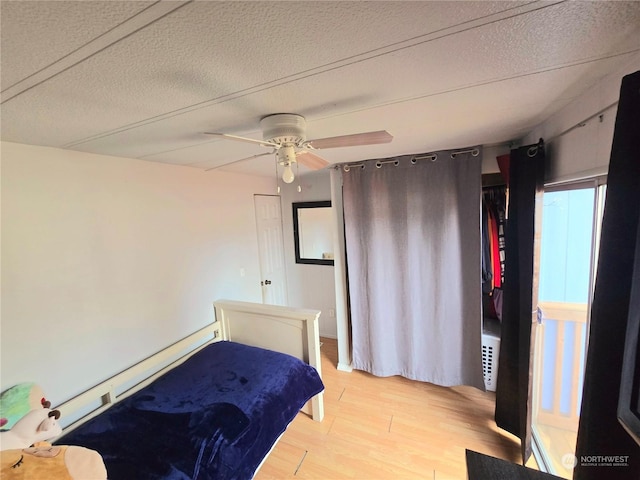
(277,177)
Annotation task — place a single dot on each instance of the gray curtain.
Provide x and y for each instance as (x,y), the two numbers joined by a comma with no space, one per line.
(412,233)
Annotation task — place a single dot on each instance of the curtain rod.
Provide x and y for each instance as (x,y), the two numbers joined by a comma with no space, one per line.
(582,123)
(514,143)
(475,152)
(414,159)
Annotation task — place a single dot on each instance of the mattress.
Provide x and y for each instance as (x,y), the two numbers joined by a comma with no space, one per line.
(215,416)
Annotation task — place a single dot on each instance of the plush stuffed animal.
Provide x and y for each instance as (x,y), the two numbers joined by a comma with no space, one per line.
(46,462)
(36,426)
(19,400)
(25,456)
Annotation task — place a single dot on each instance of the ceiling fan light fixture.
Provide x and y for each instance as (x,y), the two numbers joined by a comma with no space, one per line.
(286,133)
(286,158)
(287,174)
(286,155)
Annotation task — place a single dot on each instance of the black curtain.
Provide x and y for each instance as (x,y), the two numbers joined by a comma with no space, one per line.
(599,432)
(513,392)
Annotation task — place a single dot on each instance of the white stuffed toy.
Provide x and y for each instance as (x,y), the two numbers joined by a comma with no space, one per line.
(24,454)
(36,426)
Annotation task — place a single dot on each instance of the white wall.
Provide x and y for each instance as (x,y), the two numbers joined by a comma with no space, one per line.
(310,286)
(584,151)
(106,260)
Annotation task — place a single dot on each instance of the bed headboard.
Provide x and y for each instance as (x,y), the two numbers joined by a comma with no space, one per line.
(284,329)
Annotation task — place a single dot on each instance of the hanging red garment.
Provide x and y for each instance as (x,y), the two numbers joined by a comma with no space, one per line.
(503,165)
(495,250)
(492,262)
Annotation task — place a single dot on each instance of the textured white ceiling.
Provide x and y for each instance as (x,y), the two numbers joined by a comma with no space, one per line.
(145,79)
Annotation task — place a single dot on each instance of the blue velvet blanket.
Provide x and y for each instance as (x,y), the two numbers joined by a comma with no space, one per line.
(215,416)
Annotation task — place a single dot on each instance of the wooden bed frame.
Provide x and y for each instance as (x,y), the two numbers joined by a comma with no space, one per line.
(293,331)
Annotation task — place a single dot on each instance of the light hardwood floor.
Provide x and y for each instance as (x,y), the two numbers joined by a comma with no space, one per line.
(388,428)
(556,442)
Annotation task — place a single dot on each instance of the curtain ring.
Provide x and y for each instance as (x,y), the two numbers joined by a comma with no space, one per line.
(474,152)
(379,163)
(432,157)
(347,167)
(533,151)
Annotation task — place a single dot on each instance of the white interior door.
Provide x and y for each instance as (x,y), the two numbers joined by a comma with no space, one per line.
(271,249)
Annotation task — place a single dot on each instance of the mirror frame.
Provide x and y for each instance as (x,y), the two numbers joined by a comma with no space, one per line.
(296,237)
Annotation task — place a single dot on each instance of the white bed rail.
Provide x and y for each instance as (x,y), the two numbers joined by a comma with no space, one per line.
(97,399)
(283,329)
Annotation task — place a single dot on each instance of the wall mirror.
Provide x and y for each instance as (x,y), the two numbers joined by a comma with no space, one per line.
(313,232)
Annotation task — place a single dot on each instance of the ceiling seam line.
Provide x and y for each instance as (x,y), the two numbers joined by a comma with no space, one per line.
(438,35)
(513,77)
(444,92)
(78,48)
(95,52)
(302,75)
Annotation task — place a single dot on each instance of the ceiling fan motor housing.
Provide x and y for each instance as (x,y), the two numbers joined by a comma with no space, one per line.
(284,128)
(286,155)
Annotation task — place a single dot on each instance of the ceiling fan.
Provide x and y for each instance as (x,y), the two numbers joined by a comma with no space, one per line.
(286,134)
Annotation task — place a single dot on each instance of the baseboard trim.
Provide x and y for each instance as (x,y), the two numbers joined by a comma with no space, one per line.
(344,368)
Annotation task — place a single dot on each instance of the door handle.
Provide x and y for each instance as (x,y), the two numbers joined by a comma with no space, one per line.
(266,282)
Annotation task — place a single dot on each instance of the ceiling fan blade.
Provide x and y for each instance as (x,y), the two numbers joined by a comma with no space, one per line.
(264,143)
(237,161)
(311,160)
(367,138)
